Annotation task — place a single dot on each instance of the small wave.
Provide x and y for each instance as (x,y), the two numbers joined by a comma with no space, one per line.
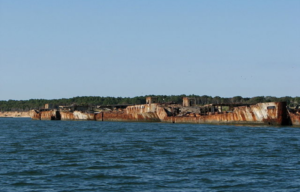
(21,183)
(104,176)
(106,167)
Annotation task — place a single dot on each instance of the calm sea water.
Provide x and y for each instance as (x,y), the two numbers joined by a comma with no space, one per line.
(113,156)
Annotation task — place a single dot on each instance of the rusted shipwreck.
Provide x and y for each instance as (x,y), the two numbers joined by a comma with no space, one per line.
(294,114)
(271,113)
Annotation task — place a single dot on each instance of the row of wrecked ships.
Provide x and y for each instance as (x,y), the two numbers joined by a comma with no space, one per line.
(272,113)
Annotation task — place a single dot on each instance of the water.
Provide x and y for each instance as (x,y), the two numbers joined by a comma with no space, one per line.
(112,156)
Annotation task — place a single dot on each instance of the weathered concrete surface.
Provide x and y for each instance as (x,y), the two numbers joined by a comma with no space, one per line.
(162,114)
(61,115)
(139,109)
(44,115)
(66,115)
(123,116)
(76,115)
(295,118)
(35,115)
(15,114)
(50,115)
(142,113)
(272,113)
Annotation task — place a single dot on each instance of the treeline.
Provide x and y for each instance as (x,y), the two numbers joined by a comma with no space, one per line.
(25,105)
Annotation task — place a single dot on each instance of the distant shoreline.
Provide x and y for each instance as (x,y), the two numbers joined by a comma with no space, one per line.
(14,114)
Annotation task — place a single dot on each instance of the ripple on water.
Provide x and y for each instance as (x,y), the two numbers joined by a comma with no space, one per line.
(115,156)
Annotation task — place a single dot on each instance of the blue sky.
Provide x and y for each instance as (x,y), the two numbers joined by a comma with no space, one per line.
(61,49)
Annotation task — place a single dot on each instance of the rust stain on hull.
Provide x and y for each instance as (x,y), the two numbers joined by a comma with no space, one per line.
(122,116)
(66,115)
(139,113)
(35,115)
(295,118)
(44,115)
(76,115)
(50,115)
(273,113)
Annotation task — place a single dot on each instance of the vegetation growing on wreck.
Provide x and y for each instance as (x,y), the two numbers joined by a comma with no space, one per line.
(25,105)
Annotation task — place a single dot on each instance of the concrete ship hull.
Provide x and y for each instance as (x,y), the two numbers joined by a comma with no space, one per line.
(261,113)
(273,113)
(45,115)
(295,119)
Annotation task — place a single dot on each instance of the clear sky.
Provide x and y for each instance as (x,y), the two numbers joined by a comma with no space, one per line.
(65,48)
